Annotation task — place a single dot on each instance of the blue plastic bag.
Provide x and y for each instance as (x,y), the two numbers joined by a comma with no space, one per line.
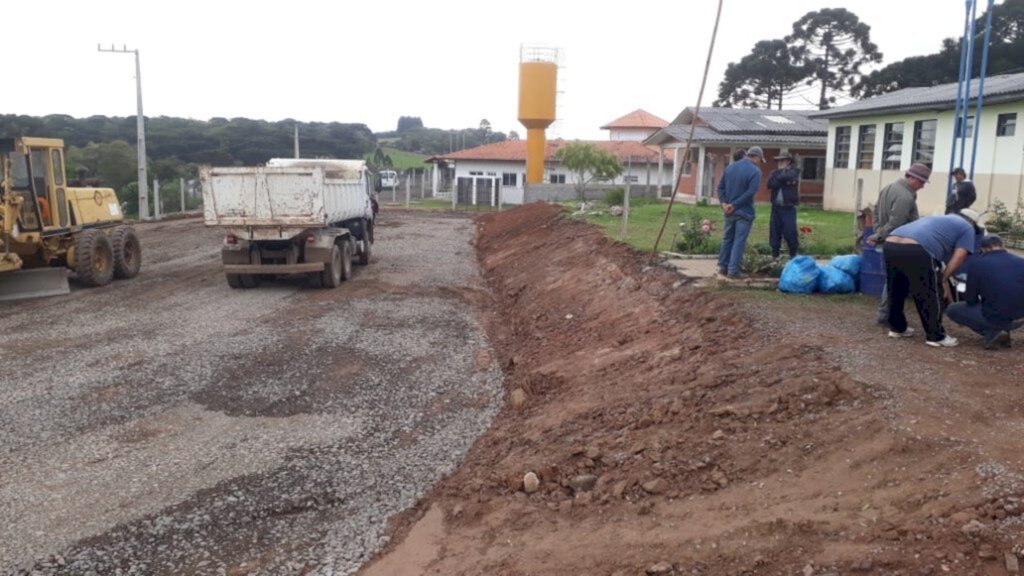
(832,280)
(849,263)
(800,276)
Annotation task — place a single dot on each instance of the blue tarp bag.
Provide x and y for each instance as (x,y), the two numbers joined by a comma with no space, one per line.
(849,263)
(832,280)
(800,276)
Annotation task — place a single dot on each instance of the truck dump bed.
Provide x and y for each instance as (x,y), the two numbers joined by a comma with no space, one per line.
(292,194)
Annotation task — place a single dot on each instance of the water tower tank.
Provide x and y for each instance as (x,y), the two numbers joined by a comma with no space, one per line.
(538,74)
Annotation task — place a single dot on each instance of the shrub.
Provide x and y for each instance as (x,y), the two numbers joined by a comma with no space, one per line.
(694,234)
(615,197)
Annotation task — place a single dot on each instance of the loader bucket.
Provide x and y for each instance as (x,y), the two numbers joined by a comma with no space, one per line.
(34,283)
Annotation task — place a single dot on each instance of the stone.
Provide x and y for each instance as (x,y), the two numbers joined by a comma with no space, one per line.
(593,453)
(1012,565)
(530,483)
(616,211)
(808,570)
(659,568)
(962,517)
(517,398)
(718,435)
(619,490)
(583,482)
(656,486)
(972,527)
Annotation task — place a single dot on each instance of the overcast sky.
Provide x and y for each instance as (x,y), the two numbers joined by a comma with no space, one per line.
(451,63)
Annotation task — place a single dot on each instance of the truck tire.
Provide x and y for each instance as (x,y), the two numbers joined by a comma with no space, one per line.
(94,258)
(364,254)
(331,277)
(249,280)
(127,252)
(235,281)
(347,251)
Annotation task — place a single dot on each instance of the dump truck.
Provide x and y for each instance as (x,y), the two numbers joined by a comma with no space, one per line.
(51,225)
(292,216)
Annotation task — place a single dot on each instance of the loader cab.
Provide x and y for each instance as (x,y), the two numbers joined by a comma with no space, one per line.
(36,168)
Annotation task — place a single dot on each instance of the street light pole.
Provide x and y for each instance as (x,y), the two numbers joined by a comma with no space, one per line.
(140,129)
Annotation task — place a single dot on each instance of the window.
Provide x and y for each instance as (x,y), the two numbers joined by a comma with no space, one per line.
(476,173)
(842,147)
(631,179)
(508,178)
(557,179)
(970,127)
(892,146)
(58,168)
(923,150)
(866,146)
(1006,125)
(812,168)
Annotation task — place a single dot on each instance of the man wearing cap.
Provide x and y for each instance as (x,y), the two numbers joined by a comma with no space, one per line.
(736,191)
(920,258)
(896,206)
(996,279)
(782,183)
(963,193)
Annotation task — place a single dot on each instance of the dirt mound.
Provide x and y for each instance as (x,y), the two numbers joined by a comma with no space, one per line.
(671,433)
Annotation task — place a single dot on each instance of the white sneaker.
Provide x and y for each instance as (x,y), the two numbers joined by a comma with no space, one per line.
(908,333)
(948,341)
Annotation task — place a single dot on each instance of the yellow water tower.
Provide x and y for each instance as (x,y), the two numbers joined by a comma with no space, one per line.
(538,74)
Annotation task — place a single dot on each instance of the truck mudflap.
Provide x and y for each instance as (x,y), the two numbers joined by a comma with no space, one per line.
(274,268)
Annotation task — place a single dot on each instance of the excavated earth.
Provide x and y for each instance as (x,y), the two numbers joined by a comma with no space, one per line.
(677,430)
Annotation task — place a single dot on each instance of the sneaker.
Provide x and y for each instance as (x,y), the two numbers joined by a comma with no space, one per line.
(723,272)
(739,276)
(908,333)
(948,342)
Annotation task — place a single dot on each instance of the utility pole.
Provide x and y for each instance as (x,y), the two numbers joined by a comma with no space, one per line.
(297,141)
(141,131)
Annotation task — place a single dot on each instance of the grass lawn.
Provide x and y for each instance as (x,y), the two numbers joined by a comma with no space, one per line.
(401,160)
(831,232)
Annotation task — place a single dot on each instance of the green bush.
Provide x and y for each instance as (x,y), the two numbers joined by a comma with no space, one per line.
(615,196)
(695,234)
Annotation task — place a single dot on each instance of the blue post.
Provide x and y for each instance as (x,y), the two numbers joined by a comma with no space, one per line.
(981,84)
(957,125)
(970,72)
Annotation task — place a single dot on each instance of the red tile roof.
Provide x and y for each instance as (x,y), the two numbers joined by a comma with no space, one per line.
(637,119)
(515,151)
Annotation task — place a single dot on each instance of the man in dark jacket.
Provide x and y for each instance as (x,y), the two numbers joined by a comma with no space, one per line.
(736,191)
(963,194)
(783,183)
(996,279)
(896,206)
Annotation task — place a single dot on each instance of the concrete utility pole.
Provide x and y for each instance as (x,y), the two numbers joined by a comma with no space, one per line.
(141,131)
(297,142)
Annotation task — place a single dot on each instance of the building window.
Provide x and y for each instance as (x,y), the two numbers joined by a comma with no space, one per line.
(689,161)
(508,178)
(631,179)
(812,168)
(923,150)
(1006,125)
(866,146)
(970,127)
(476,173)
(842,159)
(556,178)
(892,146)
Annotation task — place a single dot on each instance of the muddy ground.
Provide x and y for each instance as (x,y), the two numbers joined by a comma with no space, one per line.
(673,430)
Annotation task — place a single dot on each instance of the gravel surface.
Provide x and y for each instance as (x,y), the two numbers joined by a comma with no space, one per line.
(169,424)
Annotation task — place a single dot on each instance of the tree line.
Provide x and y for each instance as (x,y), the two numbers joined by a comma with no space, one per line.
(826,55)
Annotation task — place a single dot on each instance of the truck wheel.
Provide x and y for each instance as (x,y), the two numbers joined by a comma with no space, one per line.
(364,254)
(331,277)
(235,281)
(127,252)
(346,258)
(94,258)
(249,280)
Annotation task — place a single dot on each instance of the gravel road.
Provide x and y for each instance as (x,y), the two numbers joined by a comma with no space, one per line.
(169,424)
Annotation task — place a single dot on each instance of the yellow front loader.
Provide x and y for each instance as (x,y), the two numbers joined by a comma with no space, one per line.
(50,226)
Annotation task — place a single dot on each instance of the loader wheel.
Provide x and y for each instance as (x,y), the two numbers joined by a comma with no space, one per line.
(94,258)
(127,252)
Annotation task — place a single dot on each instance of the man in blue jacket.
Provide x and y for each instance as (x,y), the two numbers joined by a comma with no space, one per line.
(736,191)
(996,278)
(783,183)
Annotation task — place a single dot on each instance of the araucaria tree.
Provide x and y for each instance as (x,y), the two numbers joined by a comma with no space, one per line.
(760,79)
(833,44)
(587,163)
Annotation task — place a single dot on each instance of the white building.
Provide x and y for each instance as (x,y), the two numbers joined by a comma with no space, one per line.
(872,143)
(636,126)
(478,175)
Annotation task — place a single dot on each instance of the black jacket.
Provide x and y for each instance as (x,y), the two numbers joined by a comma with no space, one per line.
(964,196)
(787,180)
